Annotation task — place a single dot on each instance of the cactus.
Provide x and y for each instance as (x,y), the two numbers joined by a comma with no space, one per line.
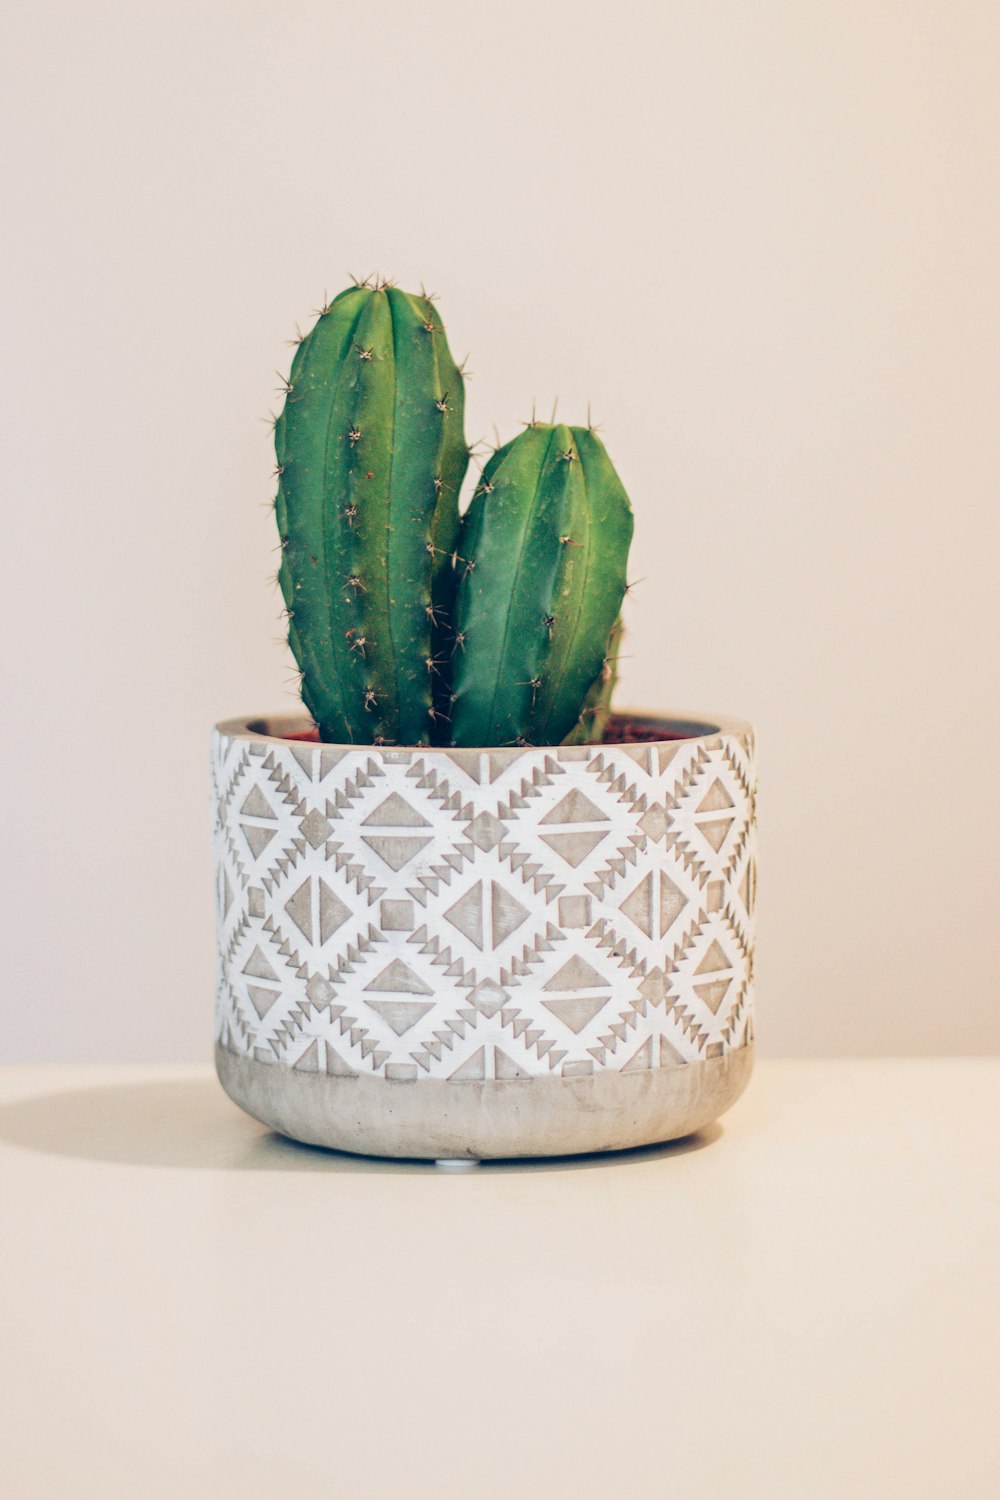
(596,710)
(371,456)
(544,545)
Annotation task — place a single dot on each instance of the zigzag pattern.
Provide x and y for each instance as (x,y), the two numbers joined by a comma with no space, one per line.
(474,915)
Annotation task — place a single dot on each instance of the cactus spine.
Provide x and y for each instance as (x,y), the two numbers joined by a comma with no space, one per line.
(544,545)
(371,456)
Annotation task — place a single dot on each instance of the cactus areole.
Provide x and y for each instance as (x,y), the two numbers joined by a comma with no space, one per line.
(410,624)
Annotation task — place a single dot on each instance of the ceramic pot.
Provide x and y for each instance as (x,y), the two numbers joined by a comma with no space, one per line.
(485,953)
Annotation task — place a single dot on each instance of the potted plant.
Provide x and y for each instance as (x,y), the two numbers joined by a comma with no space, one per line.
(464,910)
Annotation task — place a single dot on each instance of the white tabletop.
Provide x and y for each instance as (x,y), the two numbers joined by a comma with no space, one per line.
(803,1303)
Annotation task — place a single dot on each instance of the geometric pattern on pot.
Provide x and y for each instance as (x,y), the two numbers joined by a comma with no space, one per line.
(472,915)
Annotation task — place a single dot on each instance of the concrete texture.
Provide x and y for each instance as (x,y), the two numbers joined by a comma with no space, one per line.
(534,1117)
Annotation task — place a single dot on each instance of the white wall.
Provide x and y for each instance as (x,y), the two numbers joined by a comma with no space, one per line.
(762,239)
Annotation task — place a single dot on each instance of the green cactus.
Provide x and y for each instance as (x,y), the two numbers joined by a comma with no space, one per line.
(371,457)
(596,710)
(544,546)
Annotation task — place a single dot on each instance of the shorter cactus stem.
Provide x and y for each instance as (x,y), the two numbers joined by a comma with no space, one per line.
(545,542)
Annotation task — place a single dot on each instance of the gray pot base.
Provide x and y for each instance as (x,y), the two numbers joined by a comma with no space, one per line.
(479,1120)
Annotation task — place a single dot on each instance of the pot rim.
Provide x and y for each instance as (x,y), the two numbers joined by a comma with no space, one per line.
(687,728)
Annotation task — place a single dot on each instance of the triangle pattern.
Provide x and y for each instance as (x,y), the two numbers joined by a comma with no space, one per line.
(715,831)
(262,999)
(400,1014)
(576,974)
(256,805)
(715,959)
(257,838)
(506,1067)
(304,759)
(258,967)
(336,1066)
(672,902)
(639,753)
(665,754)
(578,1011)
(333,912)
(394,850)
(299,908)
(575,807)
(473,1069)
(713,994)
(500,761)
(574,847)
(507,913)
(395,812)
(641,1059)
(638,905)
(467,915)
(716,799)
(669,1055)
(309,1061)
(469,762)
(398,978)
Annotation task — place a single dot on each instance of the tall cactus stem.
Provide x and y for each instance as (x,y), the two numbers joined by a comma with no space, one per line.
(370,458)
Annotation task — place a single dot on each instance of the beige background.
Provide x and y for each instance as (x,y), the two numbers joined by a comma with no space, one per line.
(762,238)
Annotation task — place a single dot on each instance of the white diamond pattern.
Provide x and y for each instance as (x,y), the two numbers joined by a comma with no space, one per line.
(473,915)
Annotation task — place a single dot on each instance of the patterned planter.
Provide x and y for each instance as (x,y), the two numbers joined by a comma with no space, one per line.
(463,953)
